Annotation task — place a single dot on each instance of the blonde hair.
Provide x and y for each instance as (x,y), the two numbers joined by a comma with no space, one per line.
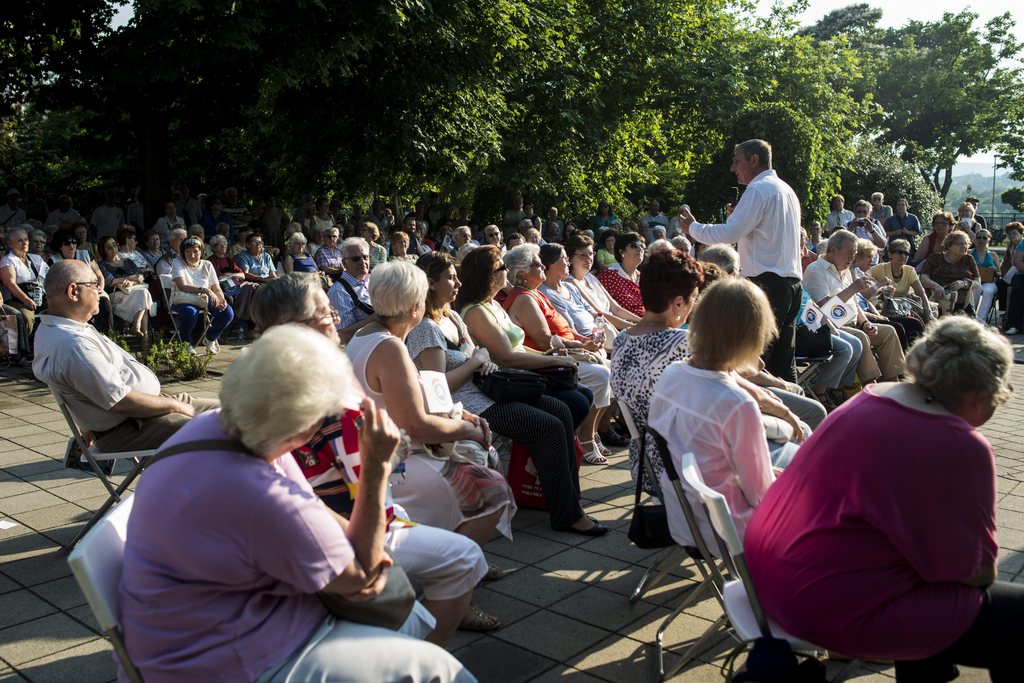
(866,247)
(277,365)
(958,356)
(967,206)
(395,288)
(956,236)
(731,325)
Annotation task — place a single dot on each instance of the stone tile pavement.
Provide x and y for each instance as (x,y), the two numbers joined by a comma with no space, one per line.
(562,602)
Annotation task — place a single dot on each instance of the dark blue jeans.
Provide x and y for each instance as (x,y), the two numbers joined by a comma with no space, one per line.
(188,318)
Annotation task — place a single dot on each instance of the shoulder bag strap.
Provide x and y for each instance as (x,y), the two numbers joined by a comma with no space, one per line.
(199,445)
(355,297)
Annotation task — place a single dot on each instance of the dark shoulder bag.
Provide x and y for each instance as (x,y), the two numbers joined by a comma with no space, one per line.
(649,527)
(511,386)
(388,610)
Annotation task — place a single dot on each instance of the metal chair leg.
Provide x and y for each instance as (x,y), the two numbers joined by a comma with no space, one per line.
(668,558)
(691,652)
(115,497)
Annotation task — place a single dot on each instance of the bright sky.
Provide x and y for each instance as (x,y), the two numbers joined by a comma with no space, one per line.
(897,14)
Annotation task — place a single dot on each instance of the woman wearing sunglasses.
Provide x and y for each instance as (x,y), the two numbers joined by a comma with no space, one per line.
(903,277)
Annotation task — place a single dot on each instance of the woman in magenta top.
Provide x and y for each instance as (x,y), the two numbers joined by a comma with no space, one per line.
(879,541)
(623,279)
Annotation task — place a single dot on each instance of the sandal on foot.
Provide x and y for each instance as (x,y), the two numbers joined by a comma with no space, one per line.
(601,448)
(478,620)
(494,572)
(591,455)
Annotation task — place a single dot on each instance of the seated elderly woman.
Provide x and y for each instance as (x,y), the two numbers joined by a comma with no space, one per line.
(669,284)
(229,272)
(199,555)
(548,331)
(21,277)
(258,267)
(483,275)
(890,553)
(445,566)
(620,280)
(127,246)
(370,232)
(699,407)
(952,275)
(197,281)
(296,260)
(903,278)
(942,225)
(908,327)
(130,298)
(441,343)
(579,249)
(400,247)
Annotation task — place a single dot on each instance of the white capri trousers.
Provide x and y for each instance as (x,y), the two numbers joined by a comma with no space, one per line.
(598,378)
(441,563)
(345,651)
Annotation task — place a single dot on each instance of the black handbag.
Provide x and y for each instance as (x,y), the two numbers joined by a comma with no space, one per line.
(649,527)
(817,344)
(560,377)
(388,610)
(507,386)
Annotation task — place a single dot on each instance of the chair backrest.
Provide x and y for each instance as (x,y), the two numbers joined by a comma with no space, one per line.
(76,433)
(627,417)
(692,523)
(97,560)
(166,286)
(728,537)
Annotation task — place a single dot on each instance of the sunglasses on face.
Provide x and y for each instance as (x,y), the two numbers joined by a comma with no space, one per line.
(72,243)
(637,245)
(501,267)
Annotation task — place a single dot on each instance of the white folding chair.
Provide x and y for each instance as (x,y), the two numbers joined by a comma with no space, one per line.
(167,288)
(705,560)
(96,565)
(94,456)
(742,604)
(668,557)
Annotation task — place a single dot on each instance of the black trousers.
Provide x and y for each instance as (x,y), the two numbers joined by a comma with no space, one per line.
(785,295)
(1015,312)
(990,643)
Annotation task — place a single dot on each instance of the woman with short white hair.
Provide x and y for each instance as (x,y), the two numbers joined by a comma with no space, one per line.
(255,553)
(547,330)
(471,499)
(296,260)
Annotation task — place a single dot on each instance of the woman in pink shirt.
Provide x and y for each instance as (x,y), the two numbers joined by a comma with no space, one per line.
(879,541)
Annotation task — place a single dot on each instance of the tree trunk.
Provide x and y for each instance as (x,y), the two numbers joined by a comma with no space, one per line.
(946,181)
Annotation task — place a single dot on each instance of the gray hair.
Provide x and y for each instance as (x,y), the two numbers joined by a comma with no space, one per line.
(11,233)
(463,230)
(62,274)
(839,239)
(723,256)
(179,233)
(659,245)
(518,259)
(286,299)
(395,288)
(277,365)
(297,237)
(357,242)
(682,244)
(958,356)
(218,239)
(759,147)
(36,233)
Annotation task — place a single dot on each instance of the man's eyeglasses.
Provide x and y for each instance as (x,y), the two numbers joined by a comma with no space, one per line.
(901,252)
(92,284)
(361,257)
(319,317)
(584,254)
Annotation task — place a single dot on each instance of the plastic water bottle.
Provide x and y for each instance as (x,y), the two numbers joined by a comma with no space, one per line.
(599,328)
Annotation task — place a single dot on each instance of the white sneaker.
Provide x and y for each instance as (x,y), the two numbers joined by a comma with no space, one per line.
(1012,331)
(192,350)
(213,347)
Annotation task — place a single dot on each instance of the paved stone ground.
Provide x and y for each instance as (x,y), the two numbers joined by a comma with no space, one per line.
(562,601)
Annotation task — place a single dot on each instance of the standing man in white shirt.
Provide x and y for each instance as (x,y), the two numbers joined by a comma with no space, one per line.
(765,225)
(107,218)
